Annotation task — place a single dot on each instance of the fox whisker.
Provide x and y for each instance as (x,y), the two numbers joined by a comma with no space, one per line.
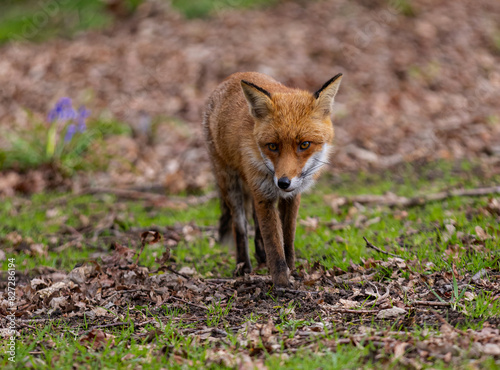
(269,168)
(313,169)
(324,162)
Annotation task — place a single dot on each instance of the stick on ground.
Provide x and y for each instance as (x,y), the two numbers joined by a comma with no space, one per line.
(393,200)
(370,245)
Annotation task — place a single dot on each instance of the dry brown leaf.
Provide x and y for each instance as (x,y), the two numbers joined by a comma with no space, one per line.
(97,339)
(391,313)
(481,234)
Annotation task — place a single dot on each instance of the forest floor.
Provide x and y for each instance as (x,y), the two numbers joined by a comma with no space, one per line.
(110,237)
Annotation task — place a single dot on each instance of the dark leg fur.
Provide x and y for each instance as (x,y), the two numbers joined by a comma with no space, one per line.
(260,251)
(235,201)
(225,225)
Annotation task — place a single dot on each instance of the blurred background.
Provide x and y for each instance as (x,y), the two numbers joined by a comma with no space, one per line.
(421,84)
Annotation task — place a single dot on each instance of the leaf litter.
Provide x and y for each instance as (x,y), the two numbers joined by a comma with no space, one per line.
(409,317)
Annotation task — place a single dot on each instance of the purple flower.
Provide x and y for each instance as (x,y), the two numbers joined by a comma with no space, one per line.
(62,111)
(83,113)
(70,132)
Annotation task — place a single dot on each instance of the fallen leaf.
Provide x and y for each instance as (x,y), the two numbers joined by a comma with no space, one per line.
(481,234)
(348,304)
(97,339)
(491,349)
(391,313)
(310,223)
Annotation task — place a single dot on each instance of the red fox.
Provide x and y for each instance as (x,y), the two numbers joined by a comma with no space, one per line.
(267,144)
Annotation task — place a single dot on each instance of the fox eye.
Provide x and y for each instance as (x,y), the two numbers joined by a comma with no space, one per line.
(272,147)
(305,145)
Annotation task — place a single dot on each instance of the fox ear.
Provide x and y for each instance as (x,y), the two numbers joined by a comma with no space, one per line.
(259,100)
(325,95)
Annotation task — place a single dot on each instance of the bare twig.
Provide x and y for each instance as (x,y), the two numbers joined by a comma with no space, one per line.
(177,273)
(336,226)
(134,194)
(108,326)
(125,193)
(379,298)
(430,303)
(115,324)
(217,281)
(35,320)
(186,302)
(444,322)
(286,290)
(122,292)
(139,254)
(370,245)
(348,310)
(26,326)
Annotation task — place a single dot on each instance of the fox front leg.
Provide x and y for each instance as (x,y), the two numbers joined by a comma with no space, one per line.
(234,215)
(289,209)
(272,234)
(260,251)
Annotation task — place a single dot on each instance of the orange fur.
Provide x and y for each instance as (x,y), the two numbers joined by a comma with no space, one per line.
(267,142)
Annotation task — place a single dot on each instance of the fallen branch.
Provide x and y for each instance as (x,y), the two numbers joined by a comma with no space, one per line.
(218,281)
(173,202)
(378,298)
(186,302)
(336,226)
(370,245)
(125,193)
(286,290)
(26,326)
(177,272)
(393,200)
(430,303)
(348,310)
(107,326)
(446,323)
(116,324)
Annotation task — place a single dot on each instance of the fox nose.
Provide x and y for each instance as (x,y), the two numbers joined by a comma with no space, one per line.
(284,183)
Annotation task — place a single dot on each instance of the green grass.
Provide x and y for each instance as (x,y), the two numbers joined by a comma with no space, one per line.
(216,312)
(404,7)
(64,351)
(204,8)
(32,20)
(28,148)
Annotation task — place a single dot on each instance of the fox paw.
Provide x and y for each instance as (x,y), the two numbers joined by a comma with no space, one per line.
(282,280)
(241,269)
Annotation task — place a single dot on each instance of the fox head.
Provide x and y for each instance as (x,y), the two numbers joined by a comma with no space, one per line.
(293,132)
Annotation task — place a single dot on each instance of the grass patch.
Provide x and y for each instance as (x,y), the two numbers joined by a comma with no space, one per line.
(83,153)
(205,8)
(30,20)
(429,239)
